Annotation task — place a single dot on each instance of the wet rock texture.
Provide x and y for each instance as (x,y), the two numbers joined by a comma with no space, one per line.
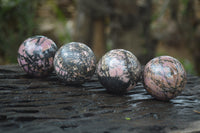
(47,105)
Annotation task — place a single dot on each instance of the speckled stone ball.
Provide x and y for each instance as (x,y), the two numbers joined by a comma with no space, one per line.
(74,63)
(164,77)
(36,54)
(118,71)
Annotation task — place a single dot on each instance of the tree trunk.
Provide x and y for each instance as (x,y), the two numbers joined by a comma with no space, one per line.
(130,28)
(99,46)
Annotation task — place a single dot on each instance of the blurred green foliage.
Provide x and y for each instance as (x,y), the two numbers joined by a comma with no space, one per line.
(19,20)
(185,3)
(16,17)
(63,36)
(189,66)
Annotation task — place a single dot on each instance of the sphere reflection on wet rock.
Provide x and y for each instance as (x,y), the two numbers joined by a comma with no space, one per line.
(118,71)
(35,55)
(74,63)
(164,77)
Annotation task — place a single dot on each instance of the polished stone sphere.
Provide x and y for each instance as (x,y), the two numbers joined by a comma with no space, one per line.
(74,63)
(164,77)
(36,54)
(118,71)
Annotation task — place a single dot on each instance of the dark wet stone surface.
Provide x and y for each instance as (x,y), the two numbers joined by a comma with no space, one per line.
(47,105)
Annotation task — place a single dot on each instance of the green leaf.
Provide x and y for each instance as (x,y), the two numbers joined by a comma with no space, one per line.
(127,118)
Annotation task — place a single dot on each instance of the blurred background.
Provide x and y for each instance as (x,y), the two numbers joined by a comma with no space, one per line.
(148,28)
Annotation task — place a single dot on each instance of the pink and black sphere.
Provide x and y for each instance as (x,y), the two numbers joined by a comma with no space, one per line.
(164,77)
(36,54)
(74,63)
(118,71)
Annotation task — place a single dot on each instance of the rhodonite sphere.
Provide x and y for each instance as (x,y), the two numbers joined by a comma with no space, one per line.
(164,77)
(118,71)
(74,63)
(36,54)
